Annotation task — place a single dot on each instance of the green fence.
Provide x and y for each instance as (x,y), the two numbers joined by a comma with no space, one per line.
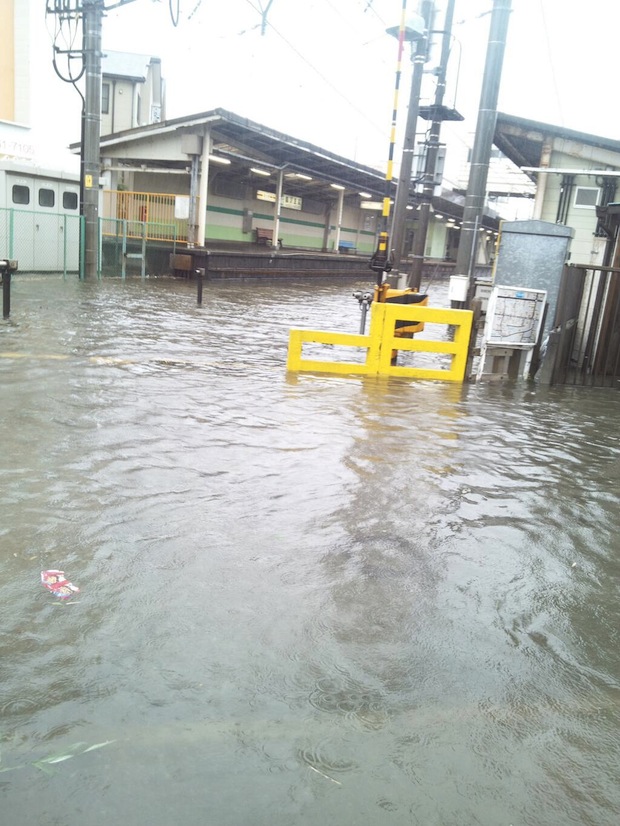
(130,246)
(41,241)
(54,243)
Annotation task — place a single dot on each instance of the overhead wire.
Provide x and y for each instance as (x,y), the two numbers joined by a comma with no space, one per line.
(554,79)
(67,28)
(174,14)
(317,71)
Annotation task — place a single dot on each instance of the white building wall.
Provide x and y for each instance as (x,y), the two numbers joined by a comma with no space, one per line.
(47,111)
(47,114)
(584,248)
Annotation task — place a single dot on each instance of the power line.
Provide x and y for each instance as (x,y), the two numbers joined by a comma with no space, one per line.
(321,75)
(551,63)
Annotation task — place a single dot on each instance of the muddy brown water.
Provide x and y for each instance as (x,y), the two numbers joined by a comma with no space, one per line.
(304,599)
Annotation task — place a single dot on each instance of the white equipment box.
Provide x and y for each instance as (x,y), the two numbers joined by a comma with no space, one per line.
(513,323)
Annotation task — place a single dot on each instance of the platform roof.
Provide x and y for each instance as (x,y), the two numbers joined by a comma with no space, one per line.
(247,143)
(521,140)
(244,141)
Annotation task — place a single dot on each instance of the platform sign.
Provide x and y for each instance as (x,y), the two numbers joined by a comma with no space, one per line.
(514,316)
(286,201)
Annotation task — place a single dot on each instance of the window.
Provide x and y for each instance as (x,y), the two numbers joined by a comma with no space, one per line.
(105,98)
(496,154)
(47,197)
(586,197)
(69,200)
(20,194)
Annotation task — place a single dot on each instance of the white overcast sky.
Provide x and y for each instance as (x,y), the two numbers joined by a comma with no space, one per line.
(324,70)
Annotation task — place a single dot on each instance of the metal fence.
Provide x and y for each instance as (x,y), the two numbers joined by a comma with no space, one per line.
(584,347)
(54,243)
(42,241)
(159,211)
(127,245)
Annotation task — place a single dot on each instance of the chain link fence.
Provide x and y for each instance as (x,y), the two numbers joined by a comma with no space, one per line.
(42,241)
(132,247)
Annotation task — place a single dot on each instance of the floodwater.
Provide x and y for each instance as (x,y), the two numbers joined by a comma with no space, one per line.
(304,599)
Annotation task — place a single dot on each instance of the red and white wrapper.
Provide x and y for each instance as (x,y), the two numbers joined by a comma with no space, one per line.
(58,584)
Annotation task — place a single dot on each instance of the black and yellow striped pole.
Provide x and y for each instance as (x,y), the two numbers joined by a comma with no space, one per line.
(381,261)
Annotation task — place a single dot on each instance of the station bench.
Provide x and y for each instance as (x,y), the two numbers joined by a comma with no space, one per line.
(346,246)
(263,236)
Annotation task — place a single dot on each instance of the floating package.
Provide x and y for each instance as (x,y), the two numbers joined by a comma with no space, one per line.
(58,584)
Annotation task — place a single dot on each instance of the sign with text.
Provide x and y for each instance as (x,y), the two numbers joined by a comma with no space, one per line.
(287,201)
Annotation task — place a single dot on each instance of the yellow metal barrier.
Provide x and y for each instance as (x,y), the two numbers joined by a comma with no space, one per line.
(153,209)
(382,340)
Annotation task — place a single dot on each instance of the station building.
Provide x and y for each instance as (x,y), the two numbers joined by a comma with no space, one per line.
(216,178)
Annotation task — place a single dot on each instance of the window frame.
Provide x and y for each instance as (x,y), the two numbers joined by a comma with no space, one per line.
(23,187)
(105,98)
(45,189)
(580,188)
(68,192)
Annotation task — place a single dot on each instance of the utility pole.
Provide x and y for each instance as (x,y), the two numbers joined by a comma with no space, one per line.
(92,11)
(419,41)
(483,142)
(432,148)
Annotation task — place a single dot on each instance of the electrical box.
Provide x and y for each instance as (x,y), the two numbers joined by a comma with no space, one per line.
(419,159)
(532,254)
(191,144)
(514,320)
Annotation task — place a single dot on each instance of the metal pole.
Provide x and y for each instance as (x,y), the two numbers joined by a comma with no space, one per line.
(381,260)
(124,251)
(483,142)
(277,208)
(192,224)
(339,211)
(6,293)
(406,164)
(93,14)
(432,147)
(203,188)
